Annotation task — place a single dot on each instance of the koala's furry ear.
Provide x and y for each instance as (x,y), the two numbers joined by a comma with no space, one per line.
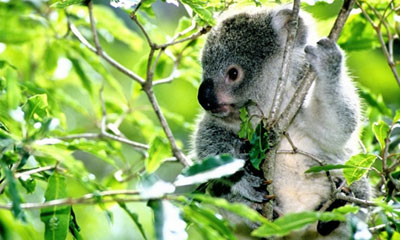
(281,20)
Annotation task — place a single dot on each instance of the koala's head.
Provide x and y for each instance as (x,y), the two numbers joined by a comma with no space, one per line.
(235,54)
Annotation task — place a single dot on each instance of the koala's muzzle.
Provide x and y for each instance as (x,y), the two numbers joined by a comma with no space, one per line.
(206,95)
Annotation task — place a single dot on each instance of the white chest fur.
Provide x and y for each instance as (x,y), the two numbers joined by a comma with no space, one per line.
(296,190)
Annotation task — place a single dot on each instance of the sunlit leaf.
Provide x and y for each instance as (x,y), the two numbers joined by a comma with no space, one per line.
(168,221)
(151,186)
(209,168)
(359,165)
(66,3)
(13,89)
(199,7)
(237,208)
(209,221)
(35,108)
(159,150)
(134,217)
(380,130)
(397,116)
(56,218)
(13,191)
(82,75)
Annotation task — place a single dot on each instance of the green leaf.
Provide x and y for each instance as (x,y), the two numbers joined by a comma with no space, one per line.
(29,184)
(199,7)
(66,3)
(35,108)
(246,129)
(159,150)
(82,75)
(56,218)
(134,217)
(74,228)
(381,129)
(13,89)
(168,221)
(358,166)
(396,116)
(326,168)
(13,191)
(237,208)
(375,101)
(208,220)
(210,168)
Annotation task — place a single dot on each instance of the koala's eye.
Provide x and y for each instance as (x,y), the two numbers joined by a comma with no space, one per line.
(233,74)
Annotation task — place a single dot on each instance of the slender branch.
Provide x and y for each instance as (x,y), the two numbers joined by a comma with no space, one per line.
(105,56)
(357,201)
(91,198)
(388,56)
(286,60)
(297,100)
(146,35)
(377,228)
(35,170)
(176,151)
(195,35)
(99,50)
(136,145)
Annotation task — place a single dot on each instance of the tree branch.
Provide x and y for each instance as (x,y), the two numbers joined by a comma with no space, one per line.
(357,201)
(286,60)
(105,56)
(297,100)
(387,54)
(91,198)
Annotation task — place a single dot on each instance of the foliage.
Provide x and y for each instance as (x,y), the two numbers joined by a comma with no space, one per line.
(88,119)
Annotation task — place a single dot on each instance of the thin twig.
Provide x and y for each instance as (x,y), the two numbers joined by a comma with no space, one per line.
(176,151)
(35,170)
(49,141)
(146,35)
(357,201)
(295,103)
(91,198)
(105,56)
(99,50)
(292,26)
(377,29)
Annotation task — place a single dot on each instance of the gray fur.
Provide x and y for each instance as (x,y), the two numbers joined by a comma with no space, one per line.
(326,125)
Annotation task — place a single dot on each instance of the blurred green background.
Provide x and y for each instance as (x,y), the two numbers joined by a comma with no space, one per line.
(45,61)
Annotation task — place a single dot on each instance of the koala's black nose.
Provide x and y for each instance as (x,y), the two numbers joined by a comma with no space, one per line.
(206,96)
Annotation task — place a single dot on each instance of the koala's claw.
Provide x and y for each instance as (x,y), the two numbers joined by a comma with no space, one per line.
(325,58)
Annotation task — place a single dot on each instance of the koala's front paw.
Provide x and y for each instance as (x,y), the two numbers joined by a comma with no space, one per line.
(251,187)
(325,58)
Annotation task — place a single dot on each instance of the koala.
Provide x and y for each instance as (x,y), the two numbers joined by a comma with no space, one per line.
(241,62)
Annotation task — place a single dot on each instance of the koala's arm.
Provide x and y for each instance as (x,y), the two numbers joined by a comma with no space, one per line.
(212,139)
(247,185)
(332,109)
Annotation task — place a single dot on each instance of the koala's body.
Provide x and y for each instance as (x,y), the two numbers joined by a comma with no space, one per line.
(241,61)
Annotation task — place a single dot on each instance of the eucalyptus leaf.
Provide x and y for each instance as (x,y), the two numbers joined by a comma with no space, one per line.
(67,3)
(359,165)
(13,191)
(159,150)
(209,168)
(381,130)
(56,218)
